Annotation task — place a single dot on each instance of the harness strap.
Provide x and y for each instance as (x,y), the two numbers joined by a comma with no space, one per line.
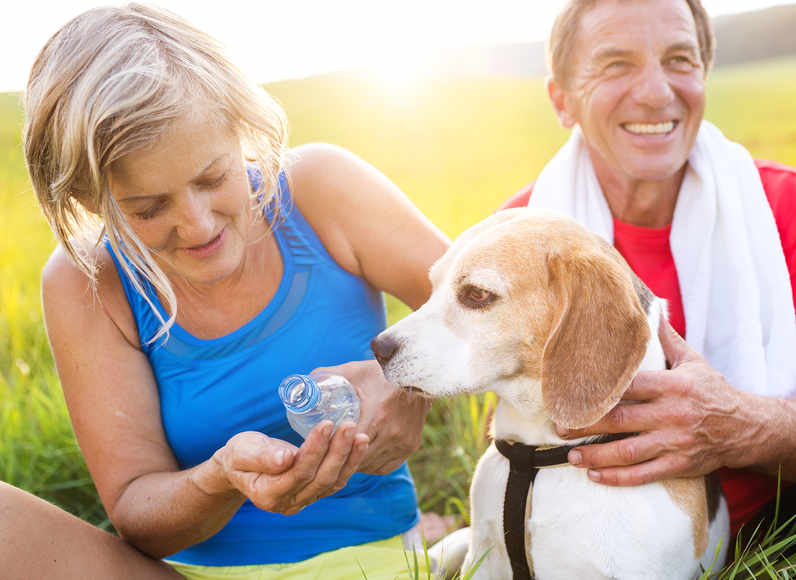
(524,464)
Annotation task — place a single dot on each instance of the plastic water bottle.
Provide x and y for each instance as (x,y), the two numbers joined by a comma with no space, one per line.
(318,396)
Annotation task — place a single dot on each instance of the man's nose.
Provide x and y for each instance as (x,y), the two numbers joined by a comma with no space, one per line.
(653,87)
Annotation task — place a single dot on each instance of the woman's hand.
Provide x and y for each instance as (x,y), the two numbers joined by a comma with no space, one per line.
(278,477)
(689,421)
(392,418)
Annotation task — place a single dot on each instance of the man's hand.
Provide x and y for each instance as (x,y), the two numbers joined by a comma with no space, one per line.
(393,419)
(689,421)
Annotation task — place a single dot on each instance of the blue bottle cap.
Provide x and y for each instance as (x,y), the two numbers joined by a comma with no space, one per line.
(299,393)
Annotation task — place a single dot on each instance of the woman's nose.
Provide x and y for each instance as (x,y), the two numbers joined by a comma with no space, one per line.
(653,87)
(195,225)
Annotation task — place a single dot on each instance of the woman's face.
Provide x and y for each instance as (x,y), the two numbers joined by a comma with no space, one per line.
(636,87)
(187,199)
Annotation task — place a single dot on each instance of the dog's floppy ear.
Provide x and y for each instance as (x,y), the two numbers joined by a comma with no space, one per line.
(597,340)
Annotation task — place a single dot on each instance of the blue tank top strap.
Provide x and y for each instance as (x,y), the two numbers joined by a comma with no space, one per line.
(300,239)
(147,322)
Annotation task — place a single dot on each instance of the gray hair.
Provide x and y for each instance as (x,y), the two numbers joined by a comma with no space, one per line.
(562,39)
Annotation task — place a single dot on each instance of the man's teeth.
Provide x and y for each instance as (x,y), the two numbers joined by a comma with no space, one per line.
(645,129)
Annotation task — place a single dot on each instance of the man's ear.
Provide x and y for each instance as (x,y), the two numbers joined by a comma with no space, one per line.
(558,97)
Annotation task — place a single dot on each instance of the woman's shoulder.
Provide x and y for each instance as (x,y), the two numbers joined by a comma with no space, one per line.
(321,170)
(364,220)
(62,273)
(69,289)
(327,184)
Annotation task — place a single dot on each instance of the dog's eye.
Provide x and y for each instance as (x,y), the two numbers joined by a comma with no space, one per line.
(474,297)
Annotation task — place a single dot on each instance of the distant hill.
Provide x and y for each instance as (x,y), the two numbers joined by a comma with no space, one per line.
(511,60)
(743,37)
(757,35)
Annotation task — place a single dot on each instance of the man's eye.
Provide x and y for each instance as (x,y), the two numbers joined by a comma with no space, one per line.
(617,66)
(681,62)
(474,297)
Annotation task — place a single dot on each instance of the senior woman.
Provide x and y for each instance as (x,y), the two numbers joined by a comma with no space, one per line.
(704,225)
(224,263)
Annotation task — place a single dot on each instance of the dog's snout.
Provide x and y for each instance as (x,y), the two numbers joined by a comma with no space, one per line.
(384,347)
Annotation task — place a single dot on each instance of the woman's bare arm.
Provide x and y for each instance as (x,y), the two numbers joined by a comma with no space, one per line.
(114,406)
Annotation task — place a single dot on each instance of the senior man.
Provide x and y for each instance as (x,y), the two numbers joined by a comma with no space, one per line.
(704,225)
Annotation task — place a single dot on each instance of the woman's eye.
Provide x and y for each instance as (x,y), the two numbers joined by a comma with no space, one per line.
(474,297)
(213,183)
(149,213)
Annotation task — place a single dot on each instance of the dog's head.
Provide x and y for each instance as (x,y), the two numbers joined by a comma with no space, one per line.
(526,297)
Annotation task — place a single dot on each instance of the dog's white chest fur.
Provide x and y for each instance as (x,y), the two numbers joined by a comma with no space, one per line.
(579,529)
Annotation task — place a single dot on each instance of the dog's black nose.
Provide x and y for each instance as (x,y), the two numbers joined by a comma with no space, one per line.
(384,347)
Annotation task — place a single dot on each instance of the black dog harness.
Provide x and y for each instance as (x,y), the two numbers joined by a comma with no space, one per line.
(524,463)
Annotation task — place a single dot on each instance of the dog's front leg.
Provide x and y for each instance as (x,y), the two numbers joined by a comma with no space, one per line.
(486,515)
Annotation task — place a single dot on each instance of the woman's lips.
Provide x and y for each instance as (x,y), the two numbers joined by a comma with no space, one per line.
(208,248)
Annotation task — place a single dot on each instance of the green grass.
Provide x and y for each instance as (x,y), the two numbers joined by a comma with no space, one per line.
(38,451)
(458,147)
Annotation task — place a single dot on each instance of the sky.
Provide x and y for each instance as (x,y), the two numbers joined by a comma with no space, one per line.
(273,40)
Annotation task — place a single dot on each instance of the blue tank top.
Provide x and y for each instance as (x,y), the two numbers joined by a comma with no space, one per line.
(210,390)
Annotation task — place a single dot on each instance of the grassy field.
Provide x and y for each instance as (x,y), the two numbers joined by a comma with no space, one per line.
(458,147)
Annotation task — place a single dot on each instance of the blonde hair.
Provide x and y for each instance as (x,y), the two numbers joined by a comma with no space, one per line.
(563,37)
(112,81)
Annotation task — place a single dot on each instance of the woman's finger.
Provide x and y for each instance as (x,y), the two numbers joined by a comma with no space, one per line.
(355,458)
(310,456)
(324,482)
(252,451)
(278,493)
(270,456)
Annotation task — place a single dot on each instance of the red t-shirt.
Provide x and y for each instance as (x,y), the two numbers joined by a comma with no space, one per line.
(647,252)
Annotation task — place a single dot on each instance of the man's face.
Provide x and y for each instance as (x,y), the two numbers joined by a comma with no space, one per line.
(636,87)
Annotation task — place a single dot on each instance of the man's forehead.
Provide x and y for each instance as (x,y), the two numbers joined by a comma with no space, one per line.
(615,27)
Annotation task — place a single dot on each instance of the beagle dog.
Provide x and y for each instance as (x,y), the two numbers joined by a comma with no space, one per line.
(530,305)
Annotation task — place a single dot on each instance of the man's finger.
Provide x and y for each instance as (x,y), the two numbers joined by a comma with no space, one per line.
(646,386)
(639,414)
(628,451)
(633,418)
(675,348)
(659,468)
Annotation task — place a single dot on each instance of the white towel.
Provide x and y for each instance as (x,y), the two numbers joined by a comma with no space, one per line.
(733,278)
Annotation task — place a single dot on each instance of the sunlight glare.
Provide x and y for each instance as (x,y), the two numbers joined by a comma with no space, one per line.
(399,70)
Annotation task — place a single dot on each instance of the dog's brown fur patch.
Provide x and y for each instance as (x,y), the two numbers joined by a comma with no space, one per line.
(691,495)
(599,335)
